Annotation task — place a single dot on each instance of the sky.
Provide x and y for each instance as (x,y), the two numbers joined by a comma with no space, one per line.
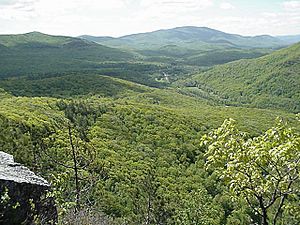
(122,17)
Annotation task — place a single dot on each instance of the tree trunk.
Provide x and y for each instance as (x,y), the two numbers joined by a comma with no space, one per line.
(75,168)
(264,217)
(264,213)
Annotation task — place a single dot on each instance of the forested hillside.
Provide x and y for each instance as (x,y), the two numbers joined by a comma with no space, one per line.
(138,137)
(189,36)
(35,52)
(39,55)
(42,55)
(139,155)
(71,85)
(271,81)
(199,46)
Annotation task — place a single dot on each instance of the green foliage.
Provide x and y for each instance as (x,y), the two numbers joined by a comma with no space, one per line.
(3,94)
(71,85)
(198,208)
(36,55)
(7,205)
(222,56)
(263,170)
(271,81)
(198,46)
(138,156)
(190,38)
(125,153)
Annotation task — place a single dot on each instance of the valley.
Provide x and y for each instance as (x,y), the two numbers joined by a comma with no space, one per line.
(139,112)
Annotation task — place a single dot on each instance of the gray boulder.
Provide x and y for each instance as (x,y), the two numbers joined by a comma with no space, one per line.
(23,195)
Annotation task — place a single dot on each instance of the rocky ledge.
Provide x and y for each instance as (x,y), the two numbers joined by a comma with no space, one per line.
(24,197)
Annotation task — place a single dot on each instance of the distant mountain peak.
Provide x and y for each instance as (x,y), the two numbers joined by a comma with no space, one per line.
(195,28)
(189,37)
(35,33)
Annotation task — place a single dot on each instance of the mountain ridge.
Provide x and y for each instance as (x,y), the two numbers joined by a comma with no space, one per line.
(190,33)
(291,39)
(270,81)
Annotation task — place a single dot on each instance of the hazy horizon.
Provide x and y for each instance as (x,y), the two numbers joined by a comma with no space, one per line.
(145,32)
(124,17)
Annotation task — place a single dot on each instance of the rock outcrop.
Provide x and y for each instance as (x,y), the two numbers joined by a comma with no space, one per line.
(23,195)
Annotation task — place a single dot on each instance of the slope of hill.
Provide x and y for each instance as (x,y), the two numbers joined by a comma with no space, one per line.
(70,85)
(271,81)
(36,54)
(192,37)
(3,93)
(40,53)
(147,144)
(290,39)
(200,46)
(138,148)
(33,37)
(93,85)
(96,39)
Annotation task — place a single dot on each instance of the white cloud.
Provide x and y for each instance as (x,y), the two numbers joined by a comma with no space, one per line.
(6,2)
(160,7)
(17,9)
(52,10)
(16,4)
(120,17)
(281,23)
(168,11)
(291,5)
(226,5)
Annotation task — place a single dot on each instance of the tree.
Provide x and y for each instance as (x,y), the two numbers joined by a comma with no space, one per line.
(70,150)
(197,208)
(263,170)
